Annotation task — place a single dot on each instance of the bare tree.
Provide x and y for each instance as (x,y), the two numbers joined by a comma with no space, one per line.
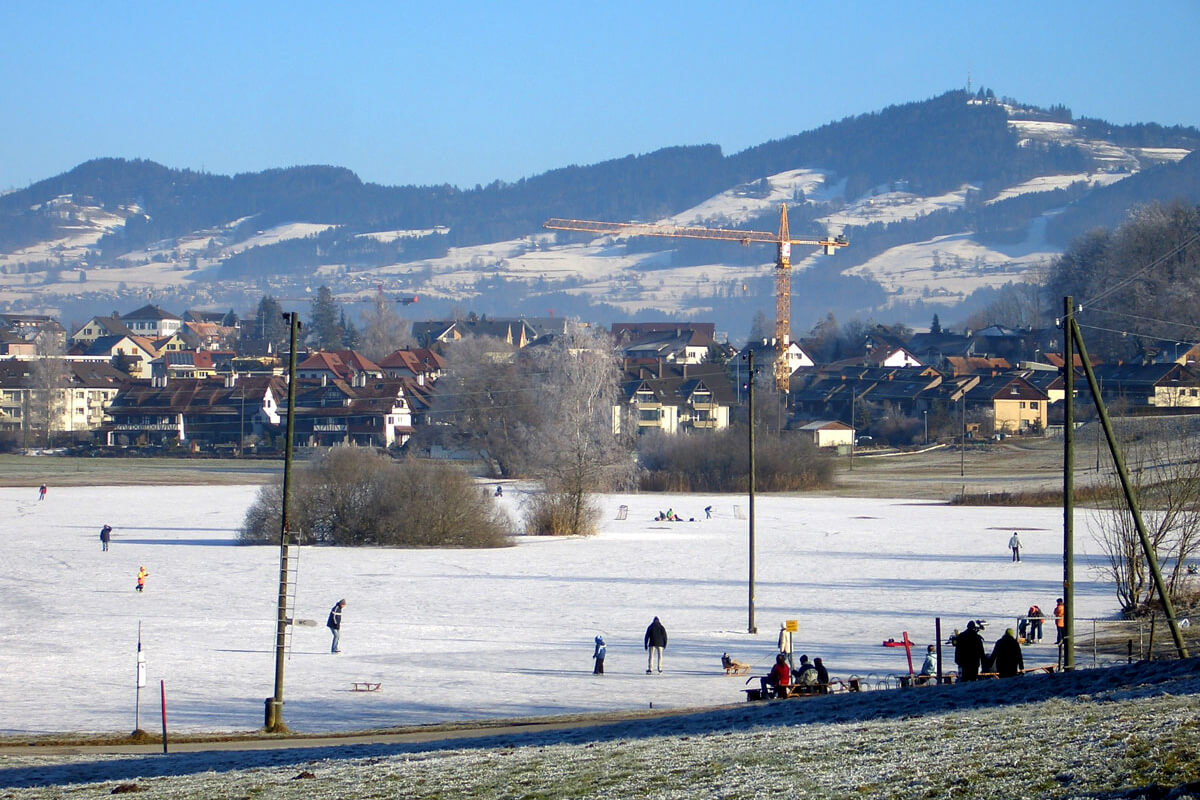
(49,380)
(578,452)
(1163,461)
(487,405)
(383,330)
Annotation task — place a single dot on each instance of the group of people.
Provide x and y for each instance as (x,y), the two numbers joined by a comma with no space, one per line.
(1006,659)
(786,673)
(670,516)
(655,642)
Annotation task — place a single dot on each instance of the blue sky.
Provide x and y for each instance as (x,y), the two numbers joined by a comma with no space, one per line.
(470,92)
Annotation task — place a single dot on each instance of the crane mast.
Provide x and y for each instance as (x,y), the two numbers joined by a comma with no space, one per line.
(783,263)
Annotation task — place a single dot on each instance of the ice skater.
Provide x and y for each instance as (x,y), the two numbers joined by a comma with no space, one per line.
(42,493)
(1014,544)
(141,579)
(598,654)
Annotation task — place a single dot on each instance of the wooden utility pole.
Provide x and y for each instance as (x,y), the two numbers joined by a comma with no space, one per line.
(1068,587)
(274,714)
(751,627)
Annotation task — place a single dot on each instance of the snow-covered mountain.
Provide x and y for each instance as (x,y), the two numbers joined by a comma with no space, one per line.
(912,250)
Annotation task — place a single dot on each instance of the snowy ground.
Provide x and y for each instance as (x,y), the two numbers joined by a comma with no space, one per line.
(460,634)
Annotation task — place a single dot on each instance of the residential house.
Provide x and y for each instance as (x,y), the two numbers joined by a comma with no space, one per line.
(1013,404)
(516,332)
(1169,351)
(207,335)
(98,327)
(130,354)
(152,322)
(419,363)
(196,411)
(766,352)
(676,398)
(71,396)
(828,433)
(1140,386)
(675,343)
(339,365)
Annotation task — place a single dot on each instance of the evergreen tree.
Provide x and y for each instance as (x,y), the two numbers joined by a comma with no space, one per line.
(324,331)
(935,327)
(268,329)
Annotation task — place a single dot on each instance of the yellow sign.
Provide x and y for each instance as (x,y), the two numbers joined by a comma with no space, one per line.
(792,625)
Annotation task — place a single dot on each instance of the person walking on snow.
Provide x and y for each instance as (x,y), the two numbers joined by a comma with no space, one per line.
(1014,544)
(141,578)
(708,512)
(42,492)
(599,654)
(785,645)
(655,643)
(334,623)
(105,536)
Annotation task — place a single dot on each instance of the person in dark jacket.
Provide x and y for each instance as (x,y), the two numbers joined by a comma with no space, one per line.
(655,642)
(334,623)
(598,654)
(968,653)
(822,676)
(105,536)
(1006,655)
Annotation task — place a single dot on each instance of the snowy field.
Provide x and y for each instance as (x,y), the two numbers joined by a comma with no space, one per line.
(462,634)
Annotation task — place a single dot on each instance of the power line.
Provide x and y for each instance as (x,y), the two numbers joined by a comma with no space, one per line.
(1130,279)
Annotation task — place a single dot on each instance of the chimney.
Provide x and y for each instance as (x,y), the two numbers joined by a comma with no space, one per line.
(324,379)
(660,368)
(231,380)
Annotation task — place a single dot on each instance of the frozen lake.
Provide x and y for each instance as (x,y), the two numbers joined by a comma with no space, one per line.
(469,634)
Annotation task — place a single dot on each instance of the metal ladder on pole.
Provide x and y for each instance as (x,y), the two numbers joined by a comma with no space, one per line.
(293,574)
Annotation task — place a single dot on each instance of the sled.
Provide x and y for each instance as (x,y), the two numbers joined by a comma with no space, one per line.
(365,686)
(737,668)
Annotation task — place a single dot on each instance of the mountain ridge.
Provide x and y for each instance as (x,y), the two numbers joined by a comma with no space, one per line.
(111,227)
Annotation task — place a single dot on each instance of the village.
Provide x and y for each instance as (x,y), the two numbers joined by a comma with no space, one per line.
(152,380)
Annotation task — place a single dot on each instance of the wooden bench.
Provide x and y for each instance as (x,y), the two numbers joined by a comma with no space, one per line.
(365,686)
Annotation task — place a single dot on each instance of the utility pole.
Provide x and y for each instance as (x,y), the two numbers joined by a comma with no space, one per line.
(274,713)
(751,627)
(1068,643)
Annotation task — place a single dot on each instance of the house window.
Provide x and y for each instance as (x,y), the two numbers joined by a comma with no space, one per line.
(1033,405)
(1022,404)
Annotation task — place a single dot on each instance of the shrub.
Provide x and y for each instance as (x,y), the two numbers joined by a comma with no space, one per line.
(720,462)
(555,514)
(355,497)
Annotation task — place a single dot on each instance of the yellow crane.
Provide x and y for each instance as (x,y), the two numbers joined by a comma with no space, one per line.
(783,262)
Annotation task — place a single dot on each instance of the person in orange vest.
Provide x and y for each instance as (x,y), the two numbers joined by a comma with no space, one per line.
(141,578)
(1060,614)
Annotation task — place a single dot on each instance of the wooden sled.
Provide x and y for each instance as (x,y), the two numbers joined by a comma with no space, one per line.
(365,686)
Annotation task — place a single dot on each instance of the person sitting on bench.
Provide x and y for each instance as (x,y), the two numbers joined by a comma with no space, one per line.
(780,676)
(807,674)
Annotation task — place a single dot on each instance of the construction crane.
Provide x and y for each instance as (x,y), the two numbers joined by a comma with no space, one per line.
(783,263)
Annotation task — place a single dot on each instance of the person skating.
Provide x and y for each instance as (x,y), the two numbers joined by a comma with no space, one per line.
(1014,544)
(42,492)
(334,623)
(141,578)
(105,537)
(968,653)
(1006,655)
(655,642)
(598,655)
